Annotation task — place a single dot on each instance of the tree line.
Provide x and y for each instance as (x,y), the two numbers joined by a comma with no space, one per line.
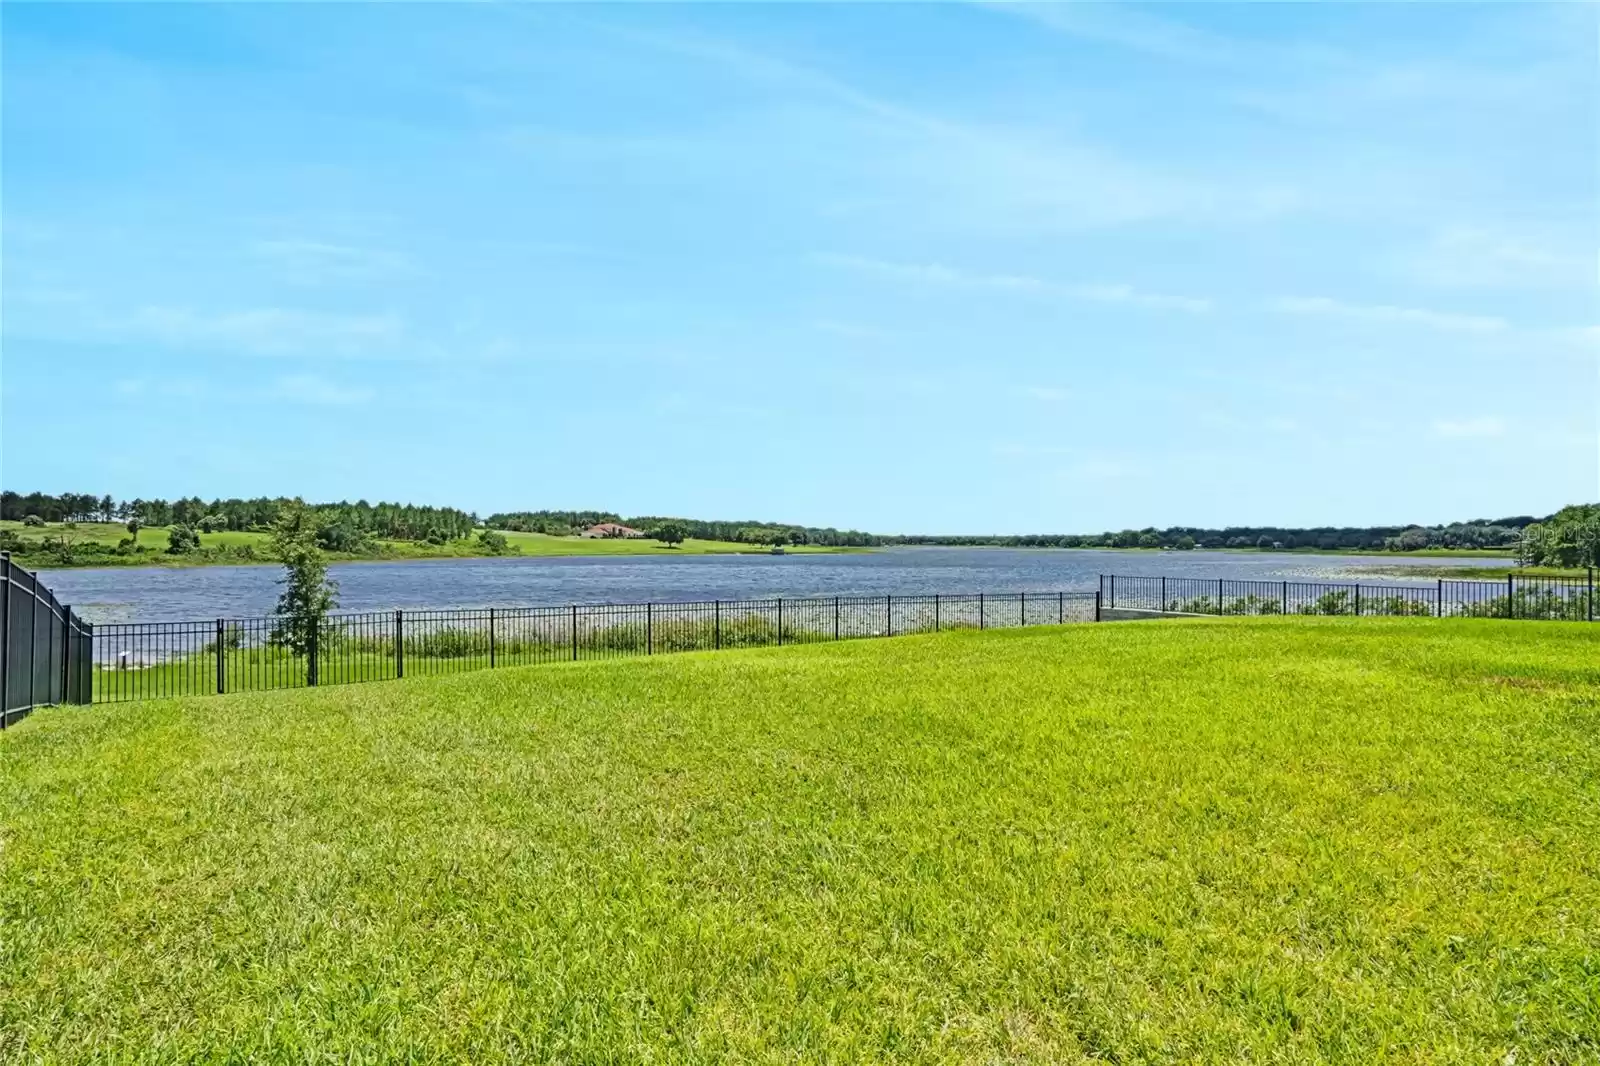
(1568,538)
(342,524)
(569,523)
(346,526)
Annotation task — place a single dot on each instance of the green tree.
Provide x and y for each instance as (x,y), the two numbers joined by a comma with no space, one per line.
(1149,540)
(308,593)
(134,525)
(1185,543)
(670,533)
(182,539)
(494,543)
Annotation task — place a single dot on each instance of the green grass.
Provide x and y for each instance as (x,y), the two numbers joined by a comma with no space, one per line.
(1472,573)
(243,548)
(1230,840)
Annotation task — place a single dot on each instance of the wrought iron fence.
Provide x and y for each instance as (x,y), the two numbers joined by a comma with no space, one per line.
(44,647)
(1570,599)
(151,660)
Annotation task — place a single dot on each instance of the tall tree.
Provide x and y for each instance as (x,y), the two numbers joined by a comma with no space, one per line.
(308,593)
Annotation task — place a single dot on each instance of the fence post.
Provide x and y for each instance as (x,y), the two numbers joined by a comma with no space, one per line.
(311,654)
(86,664)
(1591,594)
(1097,595)
(1113,591)
(491,638)
(222,677)
(1438,603)
(780,621)
(1061,606)
(5,638)
(980,610)
(1358,599)
(888,616)
(836,618)
(717,623)
(1163,592)
(399,644)
(1022,608)
(574,632)
(1511,596)
(33,642)
(66,650)
(1219,593)
(936,612)
(1285,608)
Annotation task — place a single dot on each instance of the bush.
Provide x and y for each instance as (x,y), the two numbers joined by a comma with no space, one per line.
(494,543)
(213,523)
(181,540)
(32,520)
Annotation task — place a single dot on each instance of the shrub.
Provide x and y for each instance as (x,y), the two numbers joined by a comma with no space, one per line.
(181,540)
(494,543)
(32,520)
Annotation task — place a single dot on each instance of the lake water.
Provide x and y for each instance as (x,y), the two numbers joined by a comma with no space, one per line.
(154,594)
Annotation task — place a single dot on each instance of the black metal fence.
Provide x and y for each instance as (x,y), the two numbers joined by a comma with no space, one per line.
(1570,599)
(151,660)
(45,651)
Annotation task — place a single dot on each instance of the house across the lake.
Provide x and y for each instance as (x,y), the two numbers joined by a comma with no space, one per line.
(608,530)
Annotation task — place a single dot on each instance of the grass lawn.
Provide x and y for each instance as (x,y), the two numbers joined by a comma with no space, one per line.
(1229,840)
(1473,573)
(154,540)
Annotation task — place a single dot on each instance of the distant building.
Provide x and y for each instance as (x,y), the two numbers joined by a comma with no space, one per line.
(610,530)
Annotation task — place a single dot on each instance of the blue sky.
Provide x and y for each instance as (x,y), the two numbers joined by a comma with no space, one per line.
(902,268)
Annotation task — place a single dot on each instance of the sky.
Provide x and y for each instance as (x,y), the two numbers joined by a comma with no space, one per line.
(903,268)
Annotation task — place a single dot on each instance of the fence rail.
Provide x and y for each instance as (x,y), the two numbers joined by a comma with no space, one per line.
(44,647)
(1569,599)
(152,660)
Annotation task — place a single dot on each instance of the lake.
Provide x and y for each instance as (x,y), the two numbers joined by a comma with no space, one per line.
(154,594)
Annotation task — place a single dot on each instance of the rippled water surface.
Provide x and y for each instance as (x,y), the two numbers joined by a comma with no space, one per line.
(155,594)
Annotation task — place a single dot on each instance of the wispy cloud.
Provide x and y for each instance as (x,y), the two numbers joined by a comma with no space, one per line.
(1047,393)
(853,330)
(1388,314)
(1128,27)
(954,171)
(311,389)
(313,262)
(267,331)
(1485,426)
(935,274)
(1469,257)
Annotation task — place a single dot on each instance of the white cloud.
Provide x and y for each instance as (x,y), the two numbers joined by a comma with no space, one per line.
(311,262)
(311,389)
(267,331)
(1485,426)
(1470,257)
(935,274)
(853,330)
(1047,393)
(1102,468)
(1128,27)
(1388,314)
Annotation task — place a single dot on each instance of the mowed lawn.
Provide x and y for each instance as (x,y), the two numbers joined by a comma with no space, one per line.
(1242,840)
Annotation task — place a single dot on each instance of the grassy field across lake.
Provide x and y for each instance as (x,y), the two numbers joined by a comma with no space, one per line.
(233,548)
(1228,840)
